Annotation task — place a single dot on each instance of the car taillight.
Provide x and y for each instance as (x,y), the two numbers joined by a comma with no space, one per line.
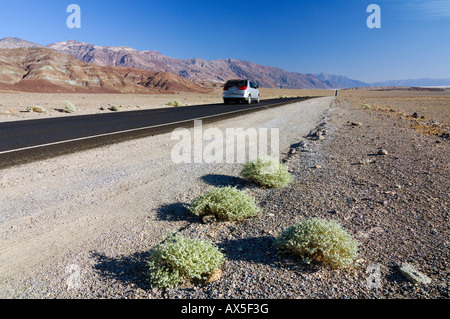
(242,88)
(226,88)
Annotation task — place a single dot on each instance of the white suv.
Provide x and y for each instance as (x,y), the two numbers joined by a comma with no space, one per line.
(240,90)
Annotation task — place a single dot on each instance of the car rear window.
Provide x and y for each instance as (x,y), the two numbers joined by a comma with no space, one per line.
(236,83)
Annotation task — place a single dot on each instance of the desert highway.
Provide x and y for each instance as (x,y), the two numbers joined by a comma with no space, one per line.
(30,140)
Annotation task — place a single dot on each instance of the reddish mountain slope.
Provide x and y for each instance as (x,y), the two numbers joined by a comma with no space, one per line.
(45,70)
(197,70)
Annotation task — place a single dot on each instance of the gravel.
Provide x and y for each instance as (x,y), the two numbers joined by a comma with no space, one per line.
(395,204)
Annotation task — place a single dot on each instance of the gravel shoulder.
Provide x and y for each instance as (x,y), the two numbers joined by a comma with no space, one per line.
(93,216)
(82,225)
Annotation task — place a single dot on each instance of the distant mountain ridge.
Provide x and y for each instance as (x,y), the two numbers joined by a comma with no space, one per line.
(209,73)
(15,43)
(415,82)
(40,69)
(195,69)
(340,81)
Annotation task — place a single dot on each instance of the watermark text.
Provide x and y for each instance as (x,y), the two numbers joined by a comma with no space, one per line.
(74,19)
(212,145)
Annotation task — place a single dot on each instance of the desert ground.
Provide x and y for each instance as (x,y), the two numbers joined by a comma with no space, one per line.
(428,109)
(13,105)
(82,225)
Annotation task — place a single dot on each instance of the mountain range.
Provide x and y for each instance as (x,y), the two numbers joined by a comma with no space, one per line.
(201,72)
(36,69)
(195,69)
(415,82)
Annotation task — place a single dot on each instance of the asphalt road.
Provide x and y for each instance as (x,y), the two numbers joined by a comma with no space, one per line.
(30,140)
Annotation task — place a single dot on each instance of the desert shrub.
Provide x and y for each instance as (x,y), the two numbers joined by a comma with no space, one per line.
(115,108)
(175,103)
(320,240)
(69,107)
(37,109)
(179,259)
(226,203)
(267,171)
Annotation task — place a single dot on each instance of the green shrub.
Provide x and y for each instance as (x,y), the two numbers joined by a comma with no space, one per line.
(227,203)
(268,172)
(175,103)
(37,109)
(320,240)
(179,259)
(115,108)
(69,107)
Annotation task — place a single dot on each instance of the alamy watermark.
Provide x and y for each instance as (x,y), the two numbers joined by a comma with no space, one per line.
(74,280)
(374,278)
(74,19)
(213,145)
(374,19)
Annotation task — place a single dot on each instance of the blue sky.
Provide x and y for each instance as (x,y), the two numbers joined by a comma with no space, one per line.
(299,36)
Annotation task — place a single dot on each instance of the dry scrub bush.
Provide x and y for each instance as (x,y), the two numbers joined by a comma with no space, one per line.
(69,107)
(175,103)
(180,259)
(37,109)
(320,240)
(226,203)
(267,172)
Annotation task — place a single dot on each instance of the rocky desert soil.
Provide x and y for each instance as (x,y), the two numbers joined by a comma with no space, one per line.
(82,225)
